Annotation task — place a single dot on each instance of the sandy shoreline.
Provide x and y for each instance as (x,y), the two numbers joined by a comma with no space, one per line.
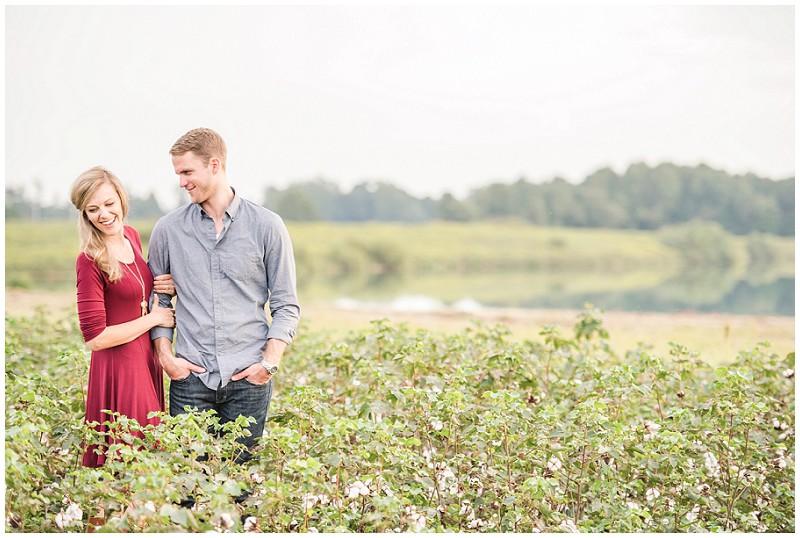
(716,336)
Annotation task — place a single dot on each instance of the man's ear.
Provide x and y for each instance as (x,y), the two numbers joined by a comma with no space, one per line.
(214,164)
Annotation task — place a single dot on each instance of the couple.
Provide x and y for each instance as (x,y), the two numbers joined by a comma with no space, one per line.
(225,258)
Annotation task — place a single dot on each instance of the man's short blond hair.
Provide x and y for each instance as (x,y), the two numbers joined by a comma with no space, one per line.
(203,142)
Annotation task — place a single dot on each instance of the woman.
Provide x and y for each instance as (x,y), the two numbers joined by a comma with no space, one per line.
(114,285)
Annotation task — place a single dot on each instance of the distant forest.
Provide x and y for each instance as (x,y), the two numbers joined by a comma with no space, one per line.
(644,198)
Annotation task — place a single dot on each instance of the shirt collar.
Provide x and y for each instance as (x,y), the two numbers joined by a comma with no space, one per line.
(233,208)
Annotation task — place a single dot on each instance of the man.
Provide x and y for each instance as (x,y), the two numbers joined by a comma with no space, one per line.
(228,257)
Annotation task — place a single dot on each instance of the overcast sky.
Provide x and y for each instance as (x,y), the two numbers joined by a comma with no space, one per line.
(432,99)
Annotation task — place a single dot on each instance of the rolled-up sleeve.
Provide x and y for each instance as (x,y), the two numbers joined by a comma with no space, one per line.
(158,261)
(282,283)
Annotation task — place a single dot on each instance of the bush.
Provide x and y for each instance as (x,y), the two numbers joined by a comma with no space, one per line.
(701,244)
(386,430)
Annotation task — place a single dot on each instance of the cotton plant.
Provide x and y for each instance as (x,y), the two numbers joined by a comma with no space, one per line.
(389,430)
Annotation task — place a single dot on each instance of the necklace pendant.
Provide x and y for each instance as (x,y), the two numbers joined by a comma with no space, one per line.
(143,304)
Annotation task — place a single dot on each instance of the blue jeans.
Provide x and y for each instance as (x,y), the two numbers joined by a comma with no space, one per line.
(231,401)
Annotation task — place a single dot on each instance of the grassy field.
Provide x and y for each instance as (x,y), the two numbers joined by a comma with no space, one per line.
(442,246)
(42,254)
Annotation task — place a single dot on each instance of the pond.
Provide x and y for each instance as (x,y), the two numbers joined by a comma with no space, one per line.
(635,292)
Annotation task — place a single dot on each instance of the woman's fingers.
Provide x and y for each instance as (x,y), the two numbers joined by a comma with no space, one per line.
(164,284)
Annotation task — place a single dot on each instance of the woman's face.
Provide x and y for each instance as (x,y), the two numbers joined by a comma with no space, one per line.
(104,210)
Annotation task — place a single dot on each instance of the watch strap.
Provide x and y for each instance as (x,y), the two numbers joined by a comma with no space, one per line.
(271,369)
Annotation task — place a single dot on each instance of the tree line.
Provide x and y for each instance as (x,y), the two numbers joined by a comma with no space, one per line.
(643,197)
(20,206)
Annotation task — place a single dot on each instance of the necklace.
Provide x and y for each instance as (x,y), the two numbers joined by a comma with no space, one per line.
(140,280)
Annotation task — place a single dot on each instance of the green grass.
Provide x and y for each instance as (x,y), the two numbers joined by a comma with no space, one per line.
(484,246)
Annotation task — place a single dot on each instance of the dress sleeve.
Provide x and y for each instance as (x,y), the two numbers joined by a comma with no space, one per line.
(91,302)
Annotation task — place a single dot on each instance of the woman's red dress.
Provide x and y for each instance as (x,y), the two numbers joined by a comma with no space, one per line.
(125,378)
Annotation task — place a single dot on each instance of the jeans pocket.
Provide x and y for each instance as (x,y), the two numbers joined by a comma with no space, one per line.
(255,384)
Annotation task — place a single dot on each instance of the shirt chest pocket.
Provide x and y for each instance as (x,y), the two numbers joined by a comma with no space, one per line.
(243,267)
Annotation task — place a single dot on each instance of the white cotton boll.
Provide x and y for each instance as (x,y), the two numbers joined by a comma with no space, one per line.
(652,494)
(692,516)
(651,426)
(568,525)
(250,524)
(226,520)
(74,512)
(554,464)
(309,501)
(476,523)
(62,520)
(711,463)
(356,489)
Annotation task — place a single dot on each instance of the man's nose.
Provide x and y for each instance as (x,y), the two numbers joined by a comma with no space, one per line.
(182,181)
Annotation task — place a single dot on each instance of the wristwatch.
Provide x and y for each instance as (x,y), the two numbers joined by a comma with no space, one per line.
(271,369)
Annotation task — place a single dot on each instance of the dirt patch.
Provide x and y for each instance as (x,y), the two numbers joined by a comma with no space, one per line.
(716,337)
(25,302)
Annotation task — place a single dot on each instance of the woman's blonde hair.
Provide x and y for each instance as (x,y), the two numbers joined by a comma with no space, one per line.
(93,242)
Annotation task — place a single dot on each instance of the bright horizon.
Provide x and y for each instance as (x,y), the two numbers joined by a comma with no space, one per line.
(430,99)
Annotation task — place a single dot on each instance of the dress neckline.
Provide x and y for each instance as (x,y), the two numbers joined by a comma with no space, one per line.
(132,250)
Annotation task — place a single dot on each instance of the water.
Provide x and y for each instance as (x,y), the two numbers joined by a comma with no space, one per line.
(701,292)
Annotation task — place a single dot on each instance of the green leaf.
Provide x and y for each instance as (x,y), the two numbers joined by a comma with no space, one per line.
(230,487)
